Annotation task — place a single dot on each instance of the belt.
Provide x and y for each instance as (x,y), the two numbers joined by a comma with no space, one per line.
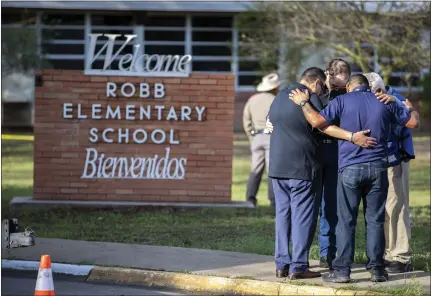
(256,132)
(327,141)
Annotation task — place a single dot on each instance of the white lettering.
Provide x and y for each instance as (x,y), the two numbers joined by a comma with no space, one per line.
(122,135)
(113,114)
(67,107)
(143,139)
(159,90)
(80,115)
(123,90)
(184,61)
(156,64)
(95,108)
(90,161)
(185,113)
(111,88)
(200,111)
(172,137)
(159,109)
(144,90)
(127,58)
(145,113)
(164,167)
(130,110)
(172,115)
(93,135)
(154,134)
(105,139)
(133,64)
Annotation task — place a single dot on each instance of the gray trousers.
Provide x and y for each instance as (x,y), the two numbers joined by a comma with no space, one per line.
(259,160)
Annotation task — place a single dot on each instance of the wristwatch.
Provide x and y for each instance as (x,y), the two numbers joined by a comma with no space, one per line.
(302,104)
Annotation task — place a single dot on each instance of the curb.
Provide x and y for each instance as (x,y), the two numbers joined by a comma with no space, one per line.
(59,268)
(183,281)
(213,284)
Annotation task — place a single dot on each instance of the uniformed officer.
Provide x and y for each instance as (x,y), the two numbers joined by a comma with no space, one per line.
(254,117)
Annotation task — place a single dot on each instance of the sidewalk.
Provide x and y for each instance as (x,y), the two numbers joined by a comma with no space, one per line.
(195,261)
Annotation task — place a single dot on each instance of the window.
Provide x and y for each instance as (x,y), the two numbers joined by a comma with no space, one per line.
(210,38)
(162,21)
(112,20)
(151,35)
(163,49)
(212,21)
(248,80)
(218,66)
(17,17)
(199,50)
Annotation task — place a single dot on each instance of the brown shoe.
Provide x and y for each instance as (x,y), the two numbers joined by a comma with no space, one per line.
(306,274)
(281,273)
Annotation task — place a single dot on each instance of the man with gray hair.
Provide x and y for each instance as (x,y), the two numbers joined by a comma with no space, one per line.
(398,254)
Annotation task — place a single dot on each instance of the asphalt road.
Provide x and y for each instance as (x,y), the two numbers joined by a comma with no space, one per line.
(15,283)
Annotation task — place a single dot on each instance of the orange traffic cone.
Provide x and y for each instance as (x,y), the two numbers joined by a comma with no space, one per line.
(44,283)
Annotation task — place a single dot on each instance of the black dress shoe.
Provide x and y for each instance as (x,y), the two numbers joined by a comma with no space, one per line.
(379,275)
(281,273)
(386,262)
(331,277)
(326,262)
(306,274)
(398,267)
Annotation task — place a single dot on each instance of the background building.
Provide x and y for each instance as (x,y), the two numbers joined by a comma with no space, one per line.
(206,30)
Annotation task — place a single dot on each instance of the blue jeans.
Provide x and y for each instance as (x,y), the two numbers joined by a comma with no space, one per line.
(328,203)
(295,219)
(368,180)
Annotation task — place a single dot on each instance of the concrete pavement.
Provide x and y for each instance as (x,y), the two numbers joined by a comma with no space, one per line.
(192,261)
(23,283)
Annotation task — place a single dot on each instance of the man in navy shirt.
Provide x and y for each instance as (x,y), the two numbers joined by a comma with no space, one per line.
(362,172)
(294,167)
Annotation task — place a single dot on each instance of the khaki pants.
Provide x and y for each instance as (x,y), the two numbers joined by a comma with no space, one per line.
(397,222)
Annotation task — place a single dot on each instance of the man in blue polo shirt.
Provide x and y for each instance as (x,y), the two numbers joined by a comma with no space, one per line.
(362,172)
(398,254)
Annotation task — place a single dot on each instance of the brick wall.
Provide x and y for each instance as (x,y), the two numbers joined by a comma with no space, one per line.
(60,144)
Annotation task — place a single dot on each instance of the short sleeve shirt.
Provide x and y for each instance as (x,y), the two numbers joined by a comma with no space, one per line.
(360,110)
(294,143)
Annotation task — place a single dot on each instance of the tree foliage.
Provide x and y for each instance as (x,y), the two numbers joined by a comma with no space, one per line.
(355,30)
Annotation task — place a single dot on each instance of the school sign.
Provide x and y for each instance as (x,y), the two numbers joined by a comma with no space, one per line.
(133,127)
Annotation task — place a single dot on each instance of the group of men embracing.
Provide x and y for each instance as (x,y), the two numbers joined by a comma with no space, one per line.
(328,142)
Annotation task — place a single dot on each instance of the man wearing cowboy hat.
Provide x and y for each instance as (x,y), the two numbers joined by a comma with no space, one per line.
(254,117)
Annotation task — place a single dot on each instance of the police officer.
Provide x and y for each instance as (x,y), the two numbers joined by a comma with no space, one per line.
(254,116)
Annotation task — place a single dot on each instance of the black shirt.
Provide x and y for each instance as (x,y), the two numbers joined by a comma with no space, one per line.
(294,143)
(325,101)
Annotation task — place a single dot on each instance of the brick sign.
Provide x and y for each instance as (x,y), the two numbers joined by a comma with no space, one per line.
(133,138)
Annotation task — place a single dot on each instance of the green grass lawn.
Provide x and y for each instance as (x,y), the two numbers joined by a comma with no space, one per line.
(243,230)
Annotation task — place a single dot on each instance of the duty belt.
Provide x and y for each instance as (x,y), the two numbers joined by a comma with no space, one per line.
(256,132)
